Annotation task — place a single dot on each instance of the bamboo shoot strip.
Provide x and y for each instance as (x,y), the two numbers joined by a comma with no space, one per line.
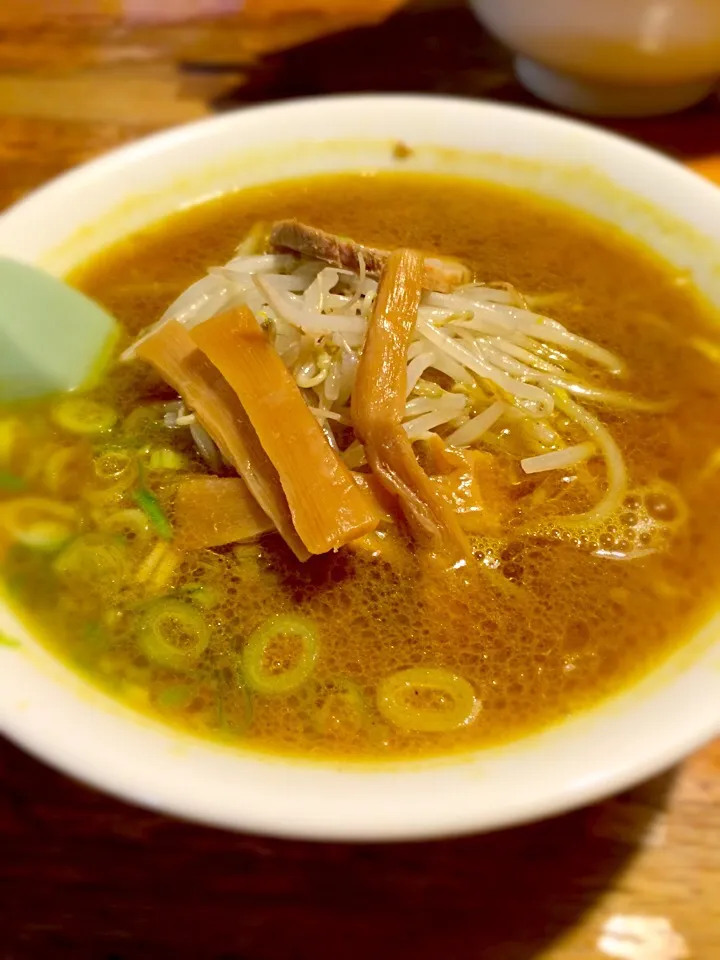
(212,511)
(378,406)
(176,357)
(327,507)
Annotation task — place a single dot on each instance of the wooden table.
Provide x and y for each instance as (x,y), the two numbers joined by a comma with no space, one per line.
(83,876)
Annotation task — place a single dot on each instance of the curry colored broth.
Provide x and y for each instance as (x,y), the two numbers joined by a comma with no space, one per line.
(540,628)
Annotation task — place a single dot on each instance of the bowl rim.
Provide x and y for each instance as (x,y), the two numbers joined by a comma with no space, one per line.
(382,821)
(153,143)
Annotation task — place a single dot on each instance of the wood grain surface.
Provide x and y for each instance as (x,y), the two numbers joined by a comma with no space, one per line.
(84,876)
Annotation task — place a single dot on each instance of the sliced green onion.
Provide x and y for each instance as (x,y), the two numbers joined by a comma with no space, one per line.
(128,523)
(115,471)
(94,559)
(113,464)
(158,567)
(427,700)
(271,660)
(83,415)
(164,458)
(11,483)
(38,523)
(173,633)
(66,468)
(150,506)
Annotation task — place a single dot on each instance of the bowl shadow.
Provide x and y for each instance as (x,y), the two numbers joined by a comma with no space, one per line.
(86,877)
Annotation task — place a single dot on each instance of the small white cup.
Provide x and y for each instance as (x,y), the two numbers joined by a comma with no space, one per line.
(615,57)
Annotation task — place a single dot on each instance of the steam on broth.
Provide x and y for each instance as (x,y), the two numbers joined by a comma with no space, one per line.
(423,465)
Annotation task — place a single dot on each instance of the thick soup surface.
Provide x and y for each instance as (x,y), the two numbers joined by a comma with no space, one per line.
(539,624)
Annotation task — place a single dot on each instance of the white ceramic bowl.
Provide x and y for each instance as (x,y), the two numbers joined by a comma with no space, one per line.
(57,716)
(616,57)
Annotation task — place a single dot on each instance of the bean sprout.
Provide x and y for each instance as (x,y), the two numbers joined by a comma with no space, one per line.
(481,364)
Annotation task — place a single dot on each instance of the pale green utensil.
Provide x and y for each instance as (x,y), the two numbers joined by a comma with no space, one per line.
(52,338)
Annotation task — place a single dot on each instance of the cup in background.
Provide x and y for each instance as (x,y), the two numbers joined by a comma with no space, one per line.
(611,57)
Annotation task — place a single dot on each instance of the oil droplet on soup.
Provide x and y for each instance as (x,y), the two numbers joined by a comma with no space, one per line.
(349,653)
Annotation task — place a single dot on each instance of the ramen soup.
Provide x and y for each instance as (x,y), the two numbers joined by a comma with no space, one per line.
(387,466)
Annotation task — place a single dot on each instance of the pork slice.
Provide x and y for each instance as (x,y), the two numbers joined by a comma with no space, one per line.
(441,275)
